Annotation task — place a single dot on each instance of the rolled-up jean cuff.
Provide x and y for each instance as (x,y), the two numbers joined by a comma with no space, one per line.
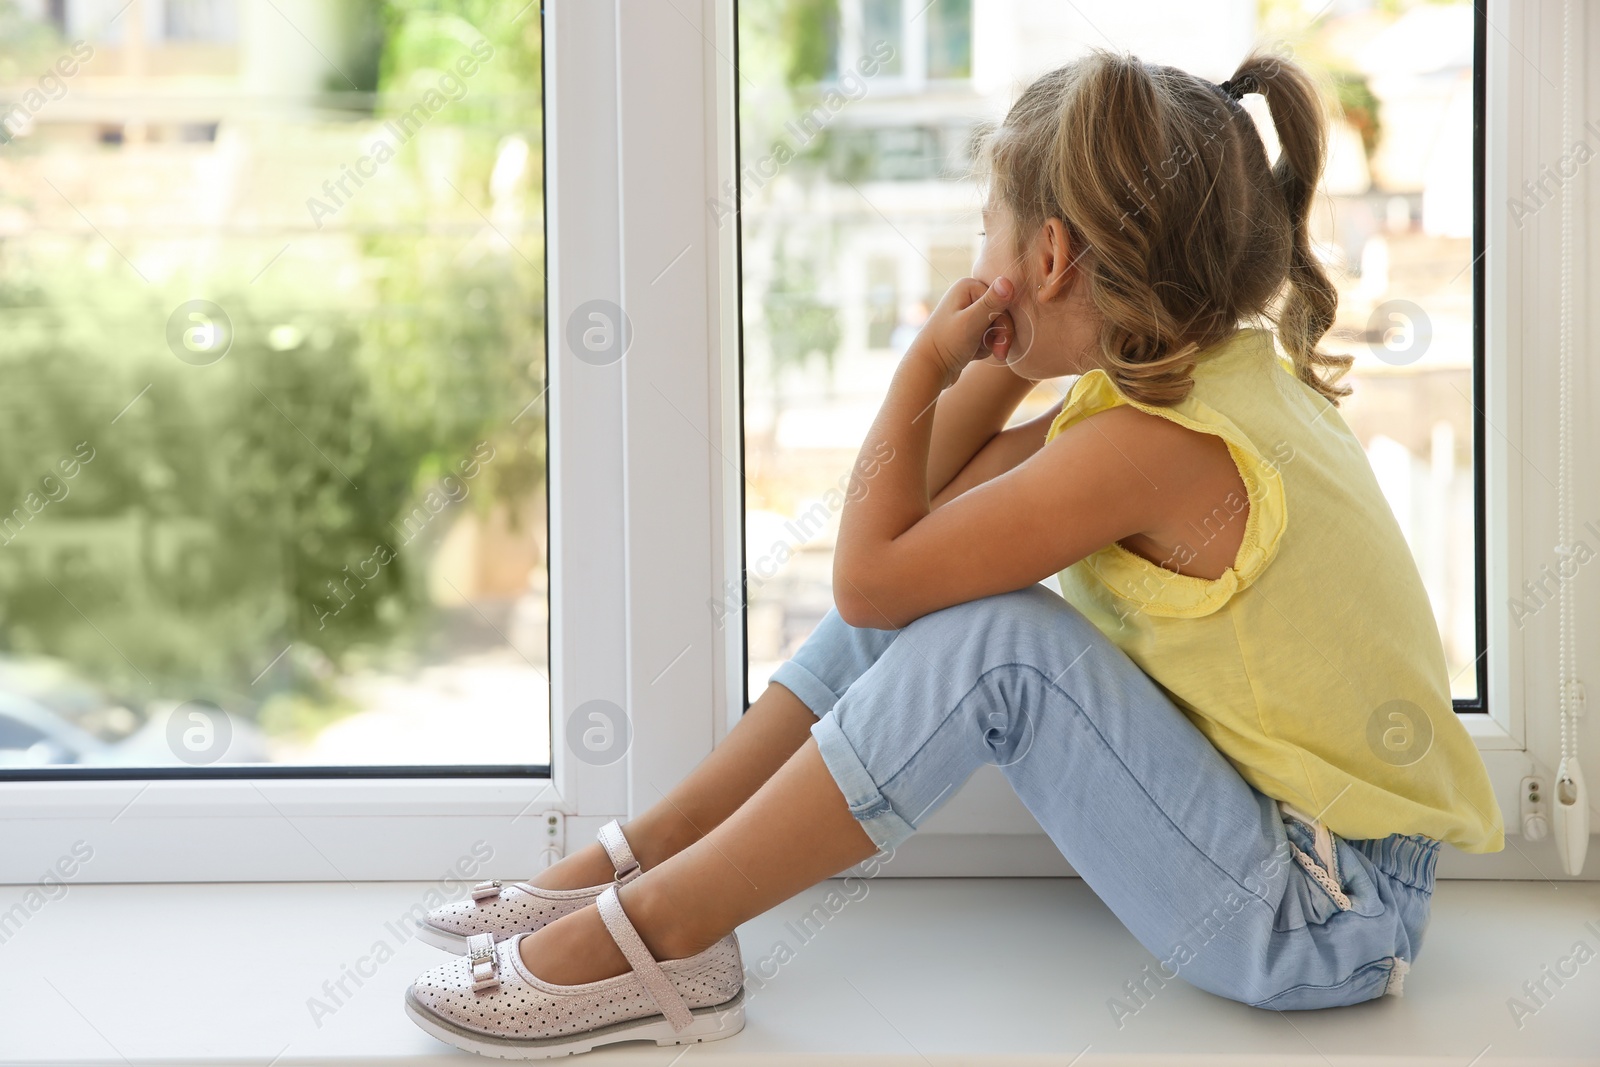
(870,807)
(807,686)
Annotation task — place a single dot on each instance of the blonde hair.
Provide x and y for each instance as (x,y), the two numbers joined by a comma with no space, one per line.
(1183,229)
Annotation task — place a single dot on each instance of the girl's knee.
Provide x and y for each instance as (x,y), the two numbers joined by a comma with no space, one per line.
(1010,619)
(1033,604)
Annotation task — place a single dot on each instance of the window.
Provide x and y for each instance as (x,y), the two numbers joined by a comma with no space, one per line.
(446,249)
(200,20)
(950,39)
(882,21)
(1395,228)
(272,482)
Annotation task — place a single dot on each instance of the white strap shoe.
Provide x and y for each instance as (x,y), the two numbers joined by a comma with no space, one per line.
(488,1002)
(502,909)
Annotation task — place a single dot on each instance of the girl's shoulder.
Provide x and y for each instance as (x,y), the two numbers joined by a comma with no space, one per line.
(1233,368)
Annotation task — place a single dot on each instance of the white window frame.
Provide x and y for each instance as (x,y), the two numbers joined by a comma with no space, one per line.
(629,94)
(646,505)
(1523,114)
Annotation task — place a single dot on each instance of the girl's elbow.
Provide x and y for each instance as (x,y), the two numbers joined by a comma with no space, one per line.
(862,610)
(856,612)
(860,594)
(852,607)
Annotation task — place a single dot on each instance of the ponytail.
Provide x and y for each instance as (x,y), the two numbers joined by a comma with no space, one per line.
(1307,310)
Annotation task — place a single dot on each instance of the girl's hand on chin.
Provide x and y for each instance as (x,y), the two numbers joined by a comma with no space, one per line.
(971,322)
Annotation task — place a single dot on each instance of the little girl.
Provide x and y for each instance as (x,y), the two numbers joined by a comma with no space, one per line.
(1235,720)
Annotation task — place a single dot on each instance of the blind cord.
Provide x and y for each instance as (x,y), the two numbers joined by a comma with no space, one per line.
(1571,801)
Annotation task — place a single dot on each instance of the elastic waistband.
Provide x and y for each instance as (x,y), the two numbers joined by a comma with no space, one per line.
(1407,858)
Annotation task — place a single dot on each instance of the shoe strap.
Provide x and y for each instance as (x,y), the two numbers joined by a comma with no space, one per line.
(616,846)
(650,974)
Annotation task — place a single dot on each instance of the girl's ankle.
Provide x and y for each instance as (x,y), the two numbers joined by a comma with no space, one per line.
(656,842)
(669,930)
(589,866)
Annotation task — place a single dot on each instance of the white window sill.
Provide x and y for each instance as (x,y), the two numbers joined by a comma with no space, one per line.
(937,971)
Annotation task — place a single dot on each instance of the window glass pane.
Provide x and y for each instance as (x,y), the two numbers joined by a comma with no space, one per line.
(272,443)
(950,39)
(881,24)
(889,213)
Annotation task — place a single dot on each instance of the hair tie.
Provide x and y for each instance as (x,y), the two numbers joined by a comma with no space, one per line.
(1234,88)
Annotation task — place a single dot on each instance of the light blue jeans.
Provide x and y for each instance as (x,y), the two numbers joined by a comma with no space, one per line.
(1227,890)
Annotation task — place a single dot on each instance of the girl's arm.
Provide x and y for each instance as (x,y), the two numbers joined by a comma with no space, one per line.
(969,416)
(898,558)
(1000,453)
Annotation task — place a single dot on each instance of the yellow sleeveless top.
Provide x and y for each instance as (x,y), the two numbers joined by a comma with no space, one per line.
(1314,663)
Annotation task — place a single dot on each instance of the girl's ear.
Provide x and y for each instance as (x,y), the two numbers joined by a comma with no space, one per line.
(1057,260)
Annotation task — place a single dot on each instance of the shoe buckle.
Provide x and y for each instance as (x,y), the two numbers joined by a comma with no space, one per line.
(623,874)
(484,890)
(480,954)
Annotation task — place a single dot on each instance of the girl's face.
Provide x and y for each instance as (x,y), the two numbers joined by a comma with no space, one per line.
(1050,321)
